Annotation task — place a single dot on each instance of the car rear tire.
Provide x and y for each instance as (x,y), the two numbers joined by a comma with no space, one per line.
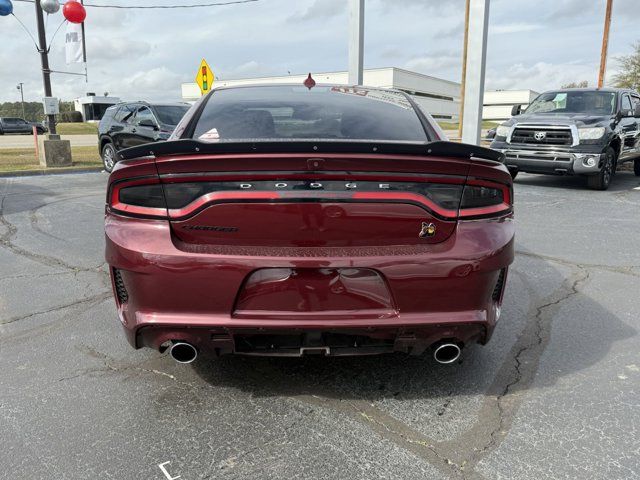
(513,172)
(108,157)
(636,167)
(602,180)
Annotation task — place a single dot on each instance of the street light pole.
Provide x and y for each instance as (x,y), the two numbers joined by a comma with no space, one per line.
(21,88)
(44,60)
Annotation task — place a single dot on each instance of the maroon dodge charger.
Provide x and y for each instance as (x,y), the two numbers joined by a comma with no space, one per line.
(287,220)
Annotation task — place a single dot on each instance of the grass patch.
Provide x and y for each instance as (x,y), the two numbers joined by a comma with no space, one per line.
(12,159)
(77,128)
(454,125)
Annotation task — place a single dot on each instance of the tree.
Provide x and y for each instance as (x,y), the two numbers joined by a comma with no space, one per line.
(629,74)
(33,111)
(582,84)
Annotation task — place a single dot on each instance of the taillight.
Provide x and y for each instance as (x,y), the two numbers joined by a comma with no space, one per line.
(143,198)
(485,199)
(148,198)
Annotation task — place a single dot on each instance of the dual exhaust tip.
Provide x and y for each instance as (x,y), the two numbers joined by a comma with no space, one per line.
(183,352)
(444,353)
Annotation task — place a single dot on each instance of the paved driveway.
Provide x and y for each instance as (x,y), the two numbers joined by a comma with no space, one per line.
(26,141)
(556,394)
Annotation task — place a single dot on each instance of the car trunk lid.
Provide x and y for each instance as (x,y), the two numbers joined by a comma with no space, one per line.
(301,200)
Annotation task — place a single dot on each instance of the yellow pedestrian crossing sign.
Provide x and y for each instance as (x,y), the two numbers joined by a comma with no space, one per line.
(205,77)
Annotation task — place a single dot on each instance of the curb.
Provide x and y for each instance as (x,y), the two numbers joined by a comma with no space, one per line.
(51,171)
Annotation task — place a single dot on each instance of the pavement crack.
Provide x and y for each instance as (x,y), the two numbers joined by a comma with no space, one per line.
(391,430)
(625,270)
(230,462)
(12,230)
(98,297)
(33,214)
(520,368)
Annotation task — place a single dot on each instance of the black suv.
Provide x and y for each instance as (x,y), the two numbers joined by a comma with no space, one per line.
(129,124)
(18,125)
(584,131)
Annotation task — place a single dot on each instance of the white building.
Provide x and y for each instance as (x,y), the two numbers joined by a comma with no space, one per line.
(497,104)
(440,98)
(92,107)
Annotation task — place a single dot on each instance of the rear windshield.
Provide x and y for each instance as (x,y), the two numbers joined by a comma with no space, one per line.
(171,114)
(296,112)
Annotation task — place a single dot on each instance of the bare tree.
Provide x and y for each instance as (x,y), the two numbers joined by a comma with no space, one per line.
(629,73)
(582,84)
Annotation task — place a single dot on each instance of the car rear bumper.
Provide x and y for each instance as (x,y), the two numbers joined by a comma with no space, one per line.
(170,291)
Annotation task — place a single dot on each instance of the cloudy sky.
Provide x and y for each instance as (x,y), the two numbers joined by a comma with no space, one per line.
(147,54)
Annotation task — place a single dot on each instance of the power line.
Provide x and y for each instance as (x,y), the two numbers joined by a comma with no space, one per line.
(159,7)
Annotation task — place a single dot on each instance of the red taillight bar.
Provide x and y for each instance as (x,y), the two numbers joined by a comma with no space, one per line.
(117,206)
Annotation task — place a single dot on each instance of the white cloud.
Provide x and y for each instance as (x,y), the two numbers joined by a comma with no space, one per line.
(147,54)
(320,9)
(514,28)
(539,76)
(117,48)
(249,69)
(433,63)
(153,82)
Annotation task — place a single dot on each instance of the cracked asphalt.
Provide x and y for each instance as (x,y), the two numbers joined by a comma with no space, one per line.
(556,393)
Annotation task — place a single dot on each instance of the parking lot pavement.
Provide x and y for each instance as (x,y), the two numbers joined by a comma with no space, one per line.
(554,394)
(26,141)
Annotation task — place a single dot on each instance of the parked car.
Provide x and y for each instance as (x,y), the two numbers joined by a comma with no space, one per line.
(130,124)
(283,220)
(584,131)
(18,125)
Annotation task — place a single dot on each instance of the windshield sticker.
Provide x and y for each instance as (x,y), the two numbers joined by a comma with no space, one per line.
(211,136)
(379,95)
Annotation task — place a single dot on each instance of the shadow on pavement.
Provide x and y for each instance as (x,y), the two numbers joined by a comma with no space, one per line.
(494,369)
(623,180)
(24,197)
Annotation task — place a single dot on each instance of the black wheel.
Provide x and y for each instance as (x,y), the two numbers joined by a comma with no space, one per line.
(513,172)
(636,166)
(108,157)
(602,180)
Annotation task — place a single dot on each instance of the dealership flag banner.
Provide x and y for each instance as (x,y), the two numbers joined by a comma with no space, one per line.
(73,43)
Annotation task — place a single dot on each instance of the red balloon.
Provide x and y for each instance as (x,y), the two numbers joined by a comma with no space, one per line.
(74,11)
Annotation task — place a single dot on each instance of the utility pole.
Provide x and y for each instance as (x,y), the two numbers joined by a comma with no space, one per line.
(44,60)
(464,67)
(356,42)
(84,52)
(605,44)
(20,87)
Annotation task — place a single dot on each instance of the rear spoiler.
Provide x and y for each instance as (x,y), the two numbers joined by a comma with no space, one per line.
(195,147)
